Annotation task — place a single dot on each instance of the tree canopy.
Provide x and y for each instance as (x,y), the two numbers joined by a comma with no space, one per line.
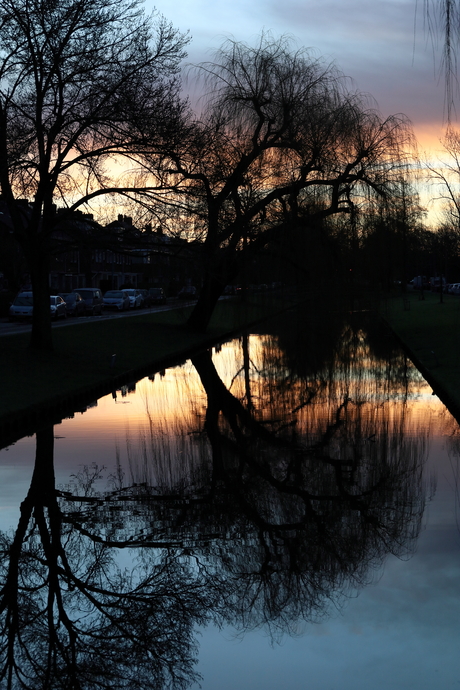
(278,129)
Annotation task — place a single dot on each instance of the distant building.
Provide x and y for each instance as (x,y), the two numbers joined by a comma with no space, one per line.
(87,254)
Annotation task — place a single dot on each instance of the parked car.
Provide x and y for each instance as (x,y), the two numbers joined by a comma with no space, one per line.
(22,306)
(146,301)
(116,300)
(436,282)
(187,292)
(157,295)
(419,283)
(57,307)
(135,297)
(93,300)
(74,302)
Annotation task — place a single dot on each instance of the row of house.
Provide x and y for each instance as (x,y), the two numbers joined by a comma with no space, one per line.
(87,254)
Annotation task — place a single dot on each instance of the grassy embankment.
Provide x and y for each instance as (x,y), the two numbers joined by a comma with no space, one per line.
(431,332)
(82,365)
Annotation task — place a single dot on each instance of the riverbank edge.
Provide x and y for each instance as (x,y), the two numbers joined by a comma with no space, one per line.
(428,329)
(54,406)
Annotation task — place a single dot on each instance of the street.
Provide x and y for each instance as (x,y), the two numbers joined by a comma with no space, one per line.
(7,328)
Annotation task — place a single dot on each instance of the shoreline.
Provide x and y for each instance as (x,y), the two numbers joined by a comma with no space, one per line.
(429,331)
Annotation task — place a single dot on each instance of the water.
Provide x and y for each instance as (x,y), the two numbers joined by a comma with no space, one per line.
(281,512)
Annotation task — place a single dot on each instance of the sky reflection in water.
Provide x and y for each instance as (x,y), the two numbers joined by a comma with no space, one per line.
(394,621)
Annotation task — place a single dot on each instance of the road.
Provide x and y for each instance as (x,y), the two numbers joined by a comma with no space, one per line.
(7,328)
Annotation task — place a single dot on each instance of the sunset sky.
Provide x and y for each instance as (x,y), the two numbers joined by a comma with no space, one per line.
(383,46)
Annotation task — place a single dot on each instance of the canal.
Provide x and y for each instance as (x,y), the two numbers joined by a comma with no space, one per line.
(279,511)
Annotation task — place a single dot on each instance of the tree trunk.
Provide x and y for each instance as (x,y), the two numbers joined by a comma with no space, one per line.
(41,336)
(201,314)
(219,272)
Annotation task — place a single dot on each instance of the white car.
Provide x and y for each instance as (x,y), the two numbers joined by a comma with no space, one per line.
(23,306)
(135,297)
(116,300)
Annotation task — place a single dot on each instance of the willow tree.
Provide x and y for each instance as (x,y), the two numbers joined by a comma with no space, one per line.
(277,127)
(445,15)
(76,79)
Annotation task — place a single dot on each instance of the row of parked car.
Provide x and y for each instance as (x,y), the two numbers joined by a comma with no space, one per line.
(130,298)
(453,288)
(87,302)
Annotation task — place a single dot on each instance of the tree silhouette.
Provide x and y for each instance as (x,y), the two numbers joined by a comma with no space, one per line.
(77,80)
(278,131)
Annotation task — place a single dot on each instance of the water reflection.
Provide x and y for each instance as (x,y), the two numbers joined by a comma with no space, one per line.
(278,490)
(73,616)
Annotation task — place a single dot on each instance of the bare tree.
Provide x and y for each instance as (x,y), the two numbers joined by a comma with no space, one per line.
(447,176)
(275,123)
(77,77)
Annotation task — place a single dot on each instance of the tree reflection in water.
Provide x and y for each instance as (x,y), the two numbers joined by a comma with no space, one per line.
(297,485)
(72,616)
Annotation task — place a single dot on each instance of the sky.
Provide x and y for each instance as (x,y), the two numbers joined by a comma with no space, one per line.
(383,46)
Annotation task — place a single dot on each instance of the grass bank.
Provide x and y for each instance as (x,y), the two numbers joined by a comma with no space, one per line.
(38,386)
(430,330)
